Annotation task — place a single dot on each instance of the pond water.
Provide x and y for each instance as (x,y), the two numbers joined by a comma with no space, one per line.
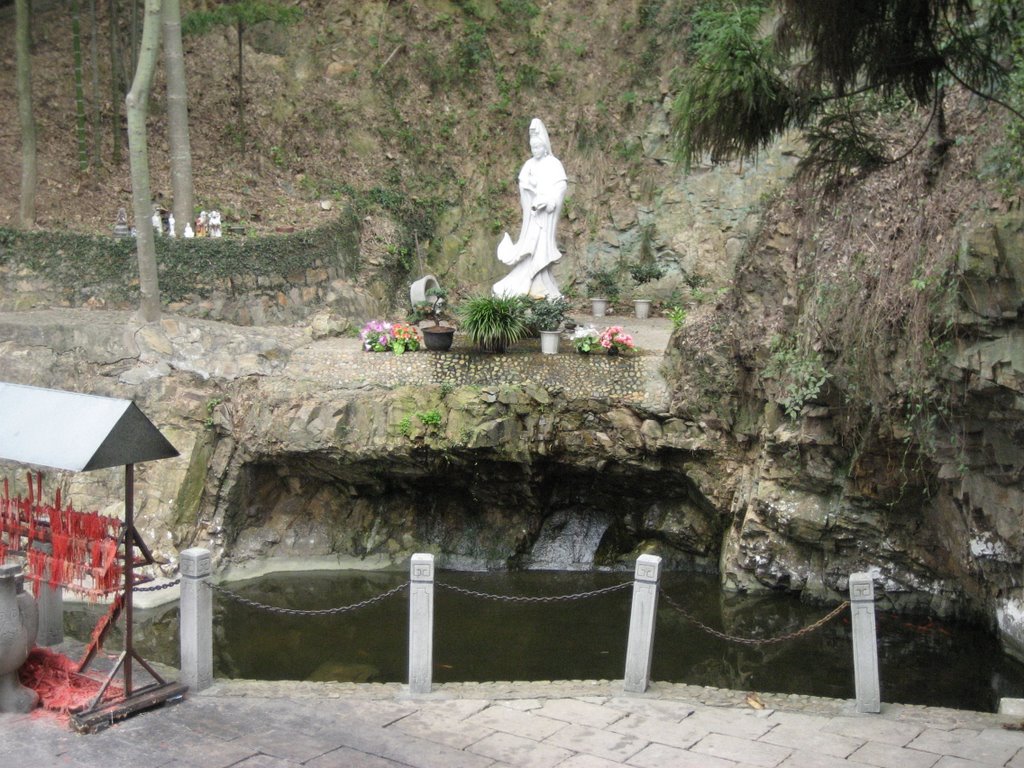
(921,661)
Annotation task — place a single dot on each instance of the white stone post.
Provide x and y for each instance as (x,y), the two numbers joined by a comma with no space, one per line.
(421,623)
(51,608)
(642,620)
(196,619)
(865,642)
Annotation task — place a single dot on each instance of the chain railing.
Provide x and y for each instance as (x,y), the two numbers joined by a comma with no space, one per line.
(157,587)
(755,641)
(197,592)
(534,599)
(276,609)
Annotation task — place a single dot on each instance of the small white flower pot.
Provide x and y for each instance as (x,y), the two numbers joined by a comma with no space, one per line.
(642,307)
(599,307)
(549,342)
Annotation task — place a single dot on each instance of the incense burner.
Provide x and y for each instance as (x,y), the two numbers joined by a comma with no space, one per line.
(19,621)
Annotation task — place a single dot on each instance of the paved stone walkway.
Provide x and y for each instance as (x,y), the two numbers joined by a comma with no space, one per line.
(533,725)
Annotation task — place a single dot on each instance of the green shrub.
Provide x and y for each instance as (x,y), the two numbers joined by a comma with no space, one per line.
(604,283)
(547,314)
(800,374)
(645,272)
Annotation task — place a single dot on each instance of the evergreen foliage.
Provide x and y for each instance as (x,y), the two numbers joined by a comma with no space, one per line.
(735,100)
(823,57)
(241,15)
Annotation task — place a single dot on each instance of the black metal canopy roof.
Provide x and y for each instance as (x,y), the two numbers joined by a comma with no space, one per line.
(72,431)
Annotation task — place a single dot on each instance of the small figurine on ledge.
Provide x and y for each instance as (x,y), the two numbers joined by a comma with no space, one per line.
(121,225)
(215,224)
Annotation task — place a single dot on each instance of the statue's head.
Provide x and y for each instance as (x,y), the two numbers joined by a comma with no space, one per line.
(540,144)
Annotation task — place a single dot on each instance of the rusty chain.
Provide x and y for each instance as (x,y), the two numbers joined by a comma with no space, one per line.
(542,599)
(756,640)
(300,612)
(158,587)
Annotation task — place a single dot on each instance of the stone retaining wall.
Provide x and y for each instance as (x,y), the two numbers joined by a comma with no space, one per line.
(243,300)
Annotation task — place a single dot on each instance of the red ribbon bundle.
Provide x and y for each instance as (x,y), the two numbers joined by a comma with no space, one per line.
(84,556)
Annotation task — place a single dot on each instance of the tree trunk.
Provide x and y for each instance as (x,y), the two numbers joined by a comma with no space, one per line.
(94,52)
(22,44)
(76,48)
(241,89)
(116,92)
(136,105)
(177,116)
(133,34)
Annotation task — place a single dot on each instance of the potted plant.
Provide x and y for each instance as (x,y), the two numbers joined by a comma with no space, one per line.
(547,316)
(603,285)
(436,337)
(642,273)
(494,322)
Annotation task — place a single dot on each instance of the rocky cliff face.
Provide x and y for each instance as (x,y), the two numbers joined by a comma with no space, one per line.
(284,457)
(865,358)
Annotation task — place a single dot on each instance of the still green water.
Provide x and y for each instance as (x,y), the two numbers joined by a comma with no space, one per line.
(921,661)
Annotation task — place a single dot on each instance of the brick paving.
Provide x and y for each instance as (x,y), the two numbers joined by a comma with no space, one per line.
(577,724)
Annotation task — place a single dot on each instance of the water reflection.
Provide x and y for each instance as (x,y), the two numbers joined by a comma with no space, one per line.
(921,661)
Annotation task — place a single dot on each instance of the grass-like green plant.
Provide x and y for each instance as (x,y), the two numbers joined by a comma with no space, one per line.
(494,322)
(677,315)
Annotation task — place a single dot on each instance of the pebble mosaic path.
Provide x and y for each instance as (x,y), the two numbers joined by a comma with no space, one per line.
(633,379)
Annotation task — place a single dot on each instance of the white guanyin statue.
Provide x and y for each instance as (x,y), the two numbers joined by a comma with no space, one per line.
(542,186)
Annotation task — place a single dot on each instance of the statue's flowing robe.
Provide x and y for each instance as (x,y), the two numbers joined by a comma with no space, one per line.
(535,250)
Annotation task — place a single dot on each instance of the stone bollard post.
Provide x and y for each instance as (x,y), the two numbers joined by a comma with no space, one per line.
(865,642)
(196,619)
(642,620)
(51,608)
(421,623)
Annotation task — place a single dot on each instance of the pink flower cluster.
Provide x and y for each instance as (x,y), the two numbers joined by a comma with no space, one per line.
(614,337)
